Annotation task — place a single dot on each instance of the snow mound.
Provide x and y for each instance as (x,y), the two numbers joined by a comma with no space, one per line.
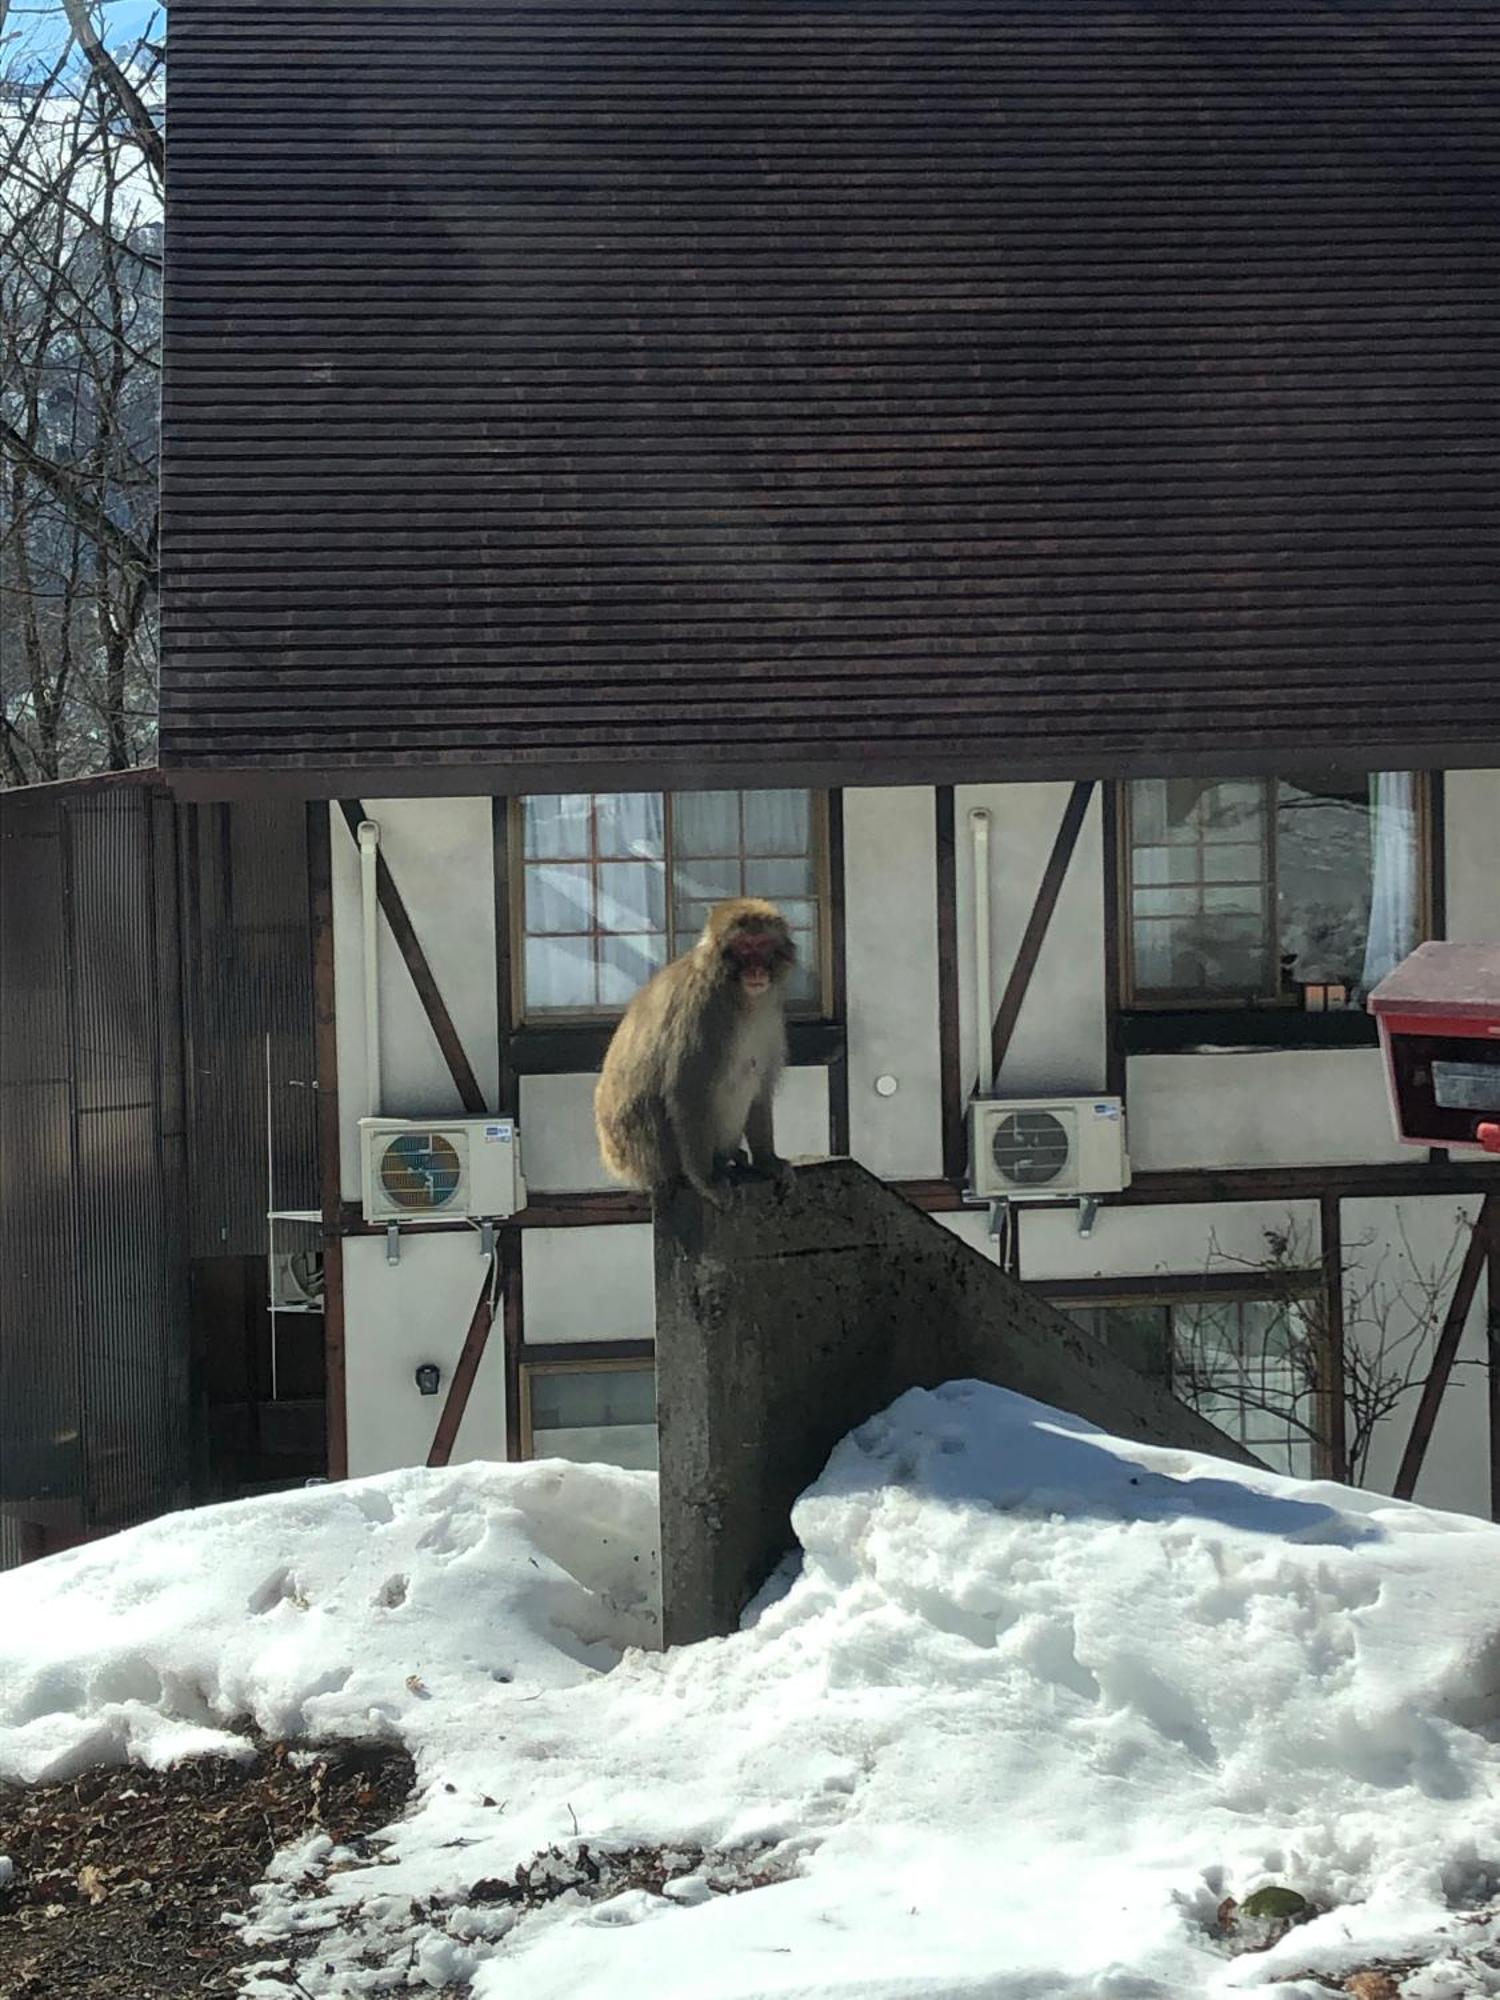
(328,1611)
(1036,1702)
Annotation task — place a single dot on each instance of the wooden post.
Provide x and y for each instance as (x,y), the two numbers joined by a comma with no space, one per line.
(467,1367)
(949,1056)
(410,946)
(1465,1286)
(1037,924)
(1332,1452)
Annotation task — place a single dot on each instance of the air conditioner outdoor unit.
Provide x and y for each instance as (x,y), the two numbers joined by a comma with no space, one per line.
(297,1281)
(1042,1147)
(440,1169)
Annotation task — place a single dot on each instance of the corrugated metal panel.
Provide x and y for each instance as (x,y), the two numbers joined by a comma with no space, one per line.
(40,1384)
(248,970)
(130,1180)
(895,390)
(93,1353)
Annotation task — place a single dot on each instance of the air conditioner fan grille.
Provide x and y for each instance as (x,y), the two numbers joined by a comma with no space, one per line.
(420,1171)
(1030,1148)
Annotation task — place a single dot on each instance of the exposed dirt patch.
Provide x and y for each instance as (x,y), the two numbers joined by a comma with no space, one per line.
(122,1878)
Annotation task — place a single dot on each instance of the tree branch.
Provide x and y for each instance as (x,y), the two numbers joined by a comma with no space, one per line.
(143,127)
(65,489)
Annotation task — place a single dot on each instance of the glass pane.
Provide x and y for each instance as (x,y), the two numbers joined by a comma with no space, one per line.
(705,823)
(1166,902)
(705,881)
(1139,1334)
(688,920)
(777,822)
(1153,955)
(803,986)
(632,896)
(559,973)
(593,1396)
(1148,810)
(1156,865)
(1234,861)
(631,823)
(779,879)
(604,1416)
(556,825)
(625,964)
(1233,899)
(558,897)
(1231,952)
(1198,900)
(1323,878)
(1348,879)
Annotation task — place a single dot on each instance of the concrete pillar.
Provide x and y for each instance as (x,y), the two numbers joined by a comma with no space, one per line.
(797,1315)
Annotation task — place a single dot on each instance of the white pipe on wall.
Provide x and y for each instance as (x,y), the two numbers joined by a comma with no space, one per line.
(369,909)
(984,1012)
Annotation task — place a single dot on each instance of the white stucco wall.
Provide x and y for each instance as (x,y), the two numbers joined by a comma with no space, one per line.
(395,1318)
(589,1283)
(1472,817)
(441,855)
(891,974)
(1397,1254)
(560,1155)
(1259,1108)
(1059,1041)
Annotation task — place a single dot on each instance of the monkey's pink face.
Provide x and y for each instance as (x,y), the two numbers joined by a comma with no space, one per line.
(756,956)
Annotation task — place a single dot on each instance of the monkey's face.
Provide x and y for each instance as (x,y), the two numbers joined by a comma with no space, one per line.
(758,955)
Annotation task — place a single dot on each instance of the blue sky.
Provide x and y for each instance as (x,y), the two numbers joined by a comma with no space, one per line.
(40,27)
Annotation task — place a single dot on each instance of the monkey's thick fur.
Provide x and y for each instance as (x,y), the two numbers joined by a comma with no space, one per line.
(694,1062)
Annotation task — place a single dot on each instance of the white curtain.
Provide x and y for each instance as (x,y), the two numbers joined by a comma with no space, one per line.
(1393,886)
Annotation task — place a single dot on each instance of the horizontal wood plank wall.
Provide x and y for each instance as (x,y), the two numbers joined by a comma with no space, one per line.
(891,390)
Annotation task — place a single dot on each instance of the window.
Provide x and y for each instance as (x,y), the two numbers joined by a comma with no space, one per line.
(616,883)
(597,1411)
(1270,891)
(1248,1365)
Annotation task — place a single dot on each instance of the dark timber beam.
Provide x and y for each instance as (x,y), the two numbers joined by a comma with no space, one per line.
(1332,1449)
(476,1339)
(950,1074)
(415,959)
(1037,924)
(1444,1354)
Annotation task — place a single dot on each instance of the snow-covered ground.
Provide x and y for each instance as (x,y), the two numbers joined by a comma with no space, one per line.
(1036,1703)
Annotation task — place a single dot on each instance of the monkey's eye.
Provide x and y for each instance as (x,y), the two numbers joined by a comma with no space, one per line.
(748,948)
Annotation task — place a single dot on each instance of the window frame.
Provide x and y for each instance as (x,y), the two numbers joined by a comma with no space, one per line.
(1302,1284)
(1355,1027)
(581,1357)
(566,1020)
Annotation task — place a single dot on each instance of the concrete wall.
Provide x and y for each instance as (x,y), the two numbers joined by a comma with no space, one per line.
(398,1316)
(798,1314)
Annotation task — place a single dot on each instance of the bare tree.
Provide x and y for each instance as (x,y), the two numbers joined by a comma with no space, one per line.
(1393,1305)
(80,309)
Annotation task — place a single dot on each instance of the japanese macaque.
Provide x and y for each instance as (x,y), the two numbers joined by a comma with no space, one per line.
(696,1058)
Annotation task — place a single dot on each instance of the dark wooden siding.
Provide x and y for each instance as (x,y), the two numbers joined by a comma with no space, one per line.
(896,390)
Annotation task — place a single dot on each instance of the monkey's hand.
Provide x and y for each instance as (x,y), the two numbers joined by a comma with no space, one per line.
(775,1169)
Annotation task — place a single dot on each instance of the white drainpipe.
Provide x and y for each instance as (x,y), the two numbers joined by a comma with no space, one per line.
(984,1012)
(369,907)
